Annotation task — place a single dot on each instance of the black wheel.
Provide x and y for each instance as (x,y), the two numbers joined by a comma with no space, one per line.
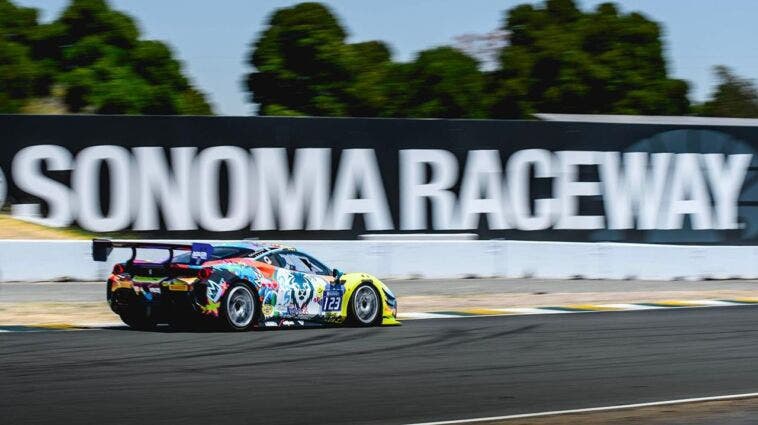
(239,307)
(364,308)
(138,317)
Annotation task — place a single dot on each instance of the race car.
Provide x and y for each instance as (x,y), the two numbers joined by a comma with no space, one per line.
(240,286)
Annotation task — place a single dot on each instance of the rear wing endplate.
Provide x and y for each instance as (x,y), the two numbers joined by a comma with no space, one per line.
(200,252)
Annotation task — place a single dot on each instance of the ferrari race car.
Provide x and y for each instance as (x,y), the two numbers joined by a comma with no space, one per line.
(240,285)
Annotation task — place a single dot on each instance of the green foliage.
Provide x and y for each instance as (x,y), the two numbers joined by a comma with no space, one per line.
(558,59)
(94,56)
(300,63)
(444,83)
(369,65)
(561,59)
(734,97)
(20,76)
(304,66)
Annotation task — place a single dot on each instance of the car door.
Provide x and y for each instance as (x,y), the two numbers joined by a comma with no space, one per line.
(301,291)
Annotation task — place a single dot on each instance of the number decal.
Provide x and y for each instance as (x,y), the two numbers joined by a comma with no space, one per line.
(332,301)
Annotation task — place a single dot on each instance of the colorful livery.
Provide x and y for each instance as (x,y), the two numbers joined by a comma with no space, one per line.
(240,285)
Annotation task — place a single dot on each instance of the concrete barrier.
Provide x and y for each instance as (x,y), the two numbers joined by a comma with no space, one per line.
(42,260)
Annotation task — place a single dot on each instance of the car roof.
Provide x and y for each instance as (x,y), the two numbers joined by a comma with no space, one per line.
(257,247)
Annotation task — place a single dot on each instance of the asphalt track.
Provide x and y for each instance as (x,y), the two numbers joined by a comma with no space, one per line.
(425,370)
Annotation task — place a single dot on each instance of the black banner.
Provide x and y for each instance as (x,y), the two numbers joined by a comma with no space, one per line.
(306,178)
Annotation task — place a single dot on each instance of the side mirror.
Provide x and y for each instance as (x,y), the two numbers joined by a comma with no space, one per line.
(336,273)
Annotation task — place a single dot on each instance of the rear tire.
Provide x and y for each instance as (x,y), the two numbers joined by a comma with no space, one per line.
(139,318)
(183,322)
(364,308)
(239,307)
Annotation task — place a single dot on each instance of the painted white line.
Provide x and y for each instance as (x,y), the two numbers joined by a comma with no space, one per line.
(593,409)
(714,303)
(412,316)
(536,310)
(613,308)
(632,307)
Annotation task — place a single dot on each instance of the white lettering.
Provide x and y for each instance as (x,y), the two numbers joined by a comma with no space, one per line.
(633,192)
(483,175)
(688,195)
(414,192)
(290,197)
(208,208)
(85,180)
(166,186)
(28,178)
(359,190)
(726,181)
(519,165)
(569,190)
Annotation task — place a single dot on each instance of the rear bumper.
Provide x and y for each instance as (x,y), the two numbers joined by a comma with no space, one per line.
(162,300)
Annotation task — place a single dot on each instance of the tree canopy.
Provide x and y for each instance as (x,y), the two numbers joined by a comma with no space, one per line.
(561,59)
(557,58)
(548,57)
(304,66)
(20,76)
(93,59)
(734,97)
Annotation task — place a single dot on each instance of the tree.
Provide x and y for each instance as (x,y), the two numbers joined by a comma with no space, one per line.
(370,67)
(304,66)
(93,58)
(443,83)
(20,77)
(106,68)
(734,97)
(300,65)
(560,59)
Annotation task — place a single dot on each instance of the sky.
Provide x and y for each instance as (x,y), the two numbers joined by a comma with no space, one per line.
(213,39)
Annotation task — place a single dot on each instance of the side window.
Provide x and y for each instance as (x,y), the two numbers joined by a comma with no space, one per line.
(271,259)
(316,266)
(293,261)
(303,263)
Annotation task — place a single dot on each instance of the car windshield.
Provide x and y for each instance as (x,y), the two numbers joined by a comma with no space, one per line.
(219,253)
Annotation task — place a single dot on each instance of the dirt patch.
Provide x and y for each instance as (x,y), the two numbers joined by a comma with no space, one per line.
(34,313)
(11,228)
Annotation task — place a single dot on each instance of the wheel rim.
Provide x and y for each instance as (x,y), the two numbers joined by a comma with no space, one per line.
(366,304)
(240,306)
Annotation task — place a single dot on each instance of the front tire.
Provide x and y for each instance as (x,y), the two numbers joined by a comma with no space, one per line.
(239,307)
(364,308)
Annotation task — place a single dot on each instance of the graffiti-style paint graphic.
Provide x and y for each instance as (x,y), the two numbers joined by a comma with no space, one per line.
(211,308)
(283,297)
(216,290)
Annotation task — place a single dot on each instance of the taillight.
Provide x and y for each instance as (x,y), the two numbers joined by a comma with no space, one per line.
(205,273)
(119,269)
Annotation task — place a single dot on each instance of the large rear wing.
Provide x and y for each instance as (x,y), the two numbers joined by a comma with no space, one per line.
(200,252)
